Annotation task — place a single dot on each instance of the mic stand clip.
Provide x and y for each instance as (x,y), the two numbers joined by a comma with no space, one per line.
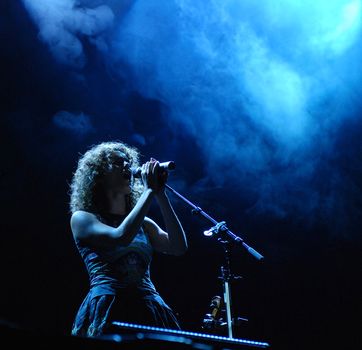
(215,230)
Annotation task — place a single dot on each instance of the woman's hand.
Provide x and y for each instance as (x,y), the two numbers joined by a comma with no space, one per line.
(153,177)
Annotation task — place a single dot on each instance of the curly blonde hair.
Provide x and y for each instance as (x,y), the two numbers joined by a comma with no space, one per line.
(86,190)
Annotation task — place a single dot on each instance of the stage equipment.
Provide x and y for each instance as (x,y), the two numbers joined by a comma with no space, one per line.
(226,238)
(128,332)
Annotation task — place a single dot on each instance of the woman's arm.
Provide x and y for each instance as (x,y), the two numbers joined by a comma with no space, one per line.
(174,240)
(86,226)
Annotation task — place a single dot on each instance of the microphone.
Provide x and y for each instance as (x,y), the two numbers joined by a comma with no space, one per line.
(164,166)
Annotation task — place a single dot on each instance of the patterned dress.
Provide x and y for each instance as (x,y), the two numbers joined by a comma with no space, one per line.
(120,287)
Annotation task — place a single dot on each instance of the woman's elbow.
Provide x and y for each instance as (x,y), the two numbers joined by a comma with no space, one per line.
(181,250)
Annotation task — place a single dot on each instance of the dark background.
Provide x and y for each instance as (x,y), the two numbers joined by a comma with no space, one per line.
(306,292)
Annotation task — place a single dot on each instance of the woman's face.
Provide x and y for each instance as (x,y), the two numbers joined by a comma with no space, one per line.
(118,180)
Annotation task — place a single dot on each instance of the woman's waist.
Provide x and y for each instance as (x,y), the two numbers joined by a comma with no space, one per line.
(101,285)
(107,263)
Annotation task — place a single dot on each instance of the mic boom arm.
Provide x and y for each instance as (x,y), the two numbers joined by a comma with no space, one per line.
(218,226)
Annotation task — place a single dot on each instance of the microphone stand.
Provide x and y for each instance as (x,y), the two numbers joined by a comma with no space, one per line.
(226,237)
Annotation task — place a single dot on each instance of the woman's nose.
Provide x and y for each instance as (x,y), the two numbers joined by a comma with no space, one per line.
(126,166)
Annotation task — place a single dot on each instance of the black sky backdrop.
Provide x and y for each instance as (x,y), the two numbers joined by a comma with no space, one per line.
(306,223)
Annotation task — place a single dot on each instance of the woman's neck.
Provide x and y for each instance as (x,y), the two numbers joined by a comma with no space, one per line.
(118,205)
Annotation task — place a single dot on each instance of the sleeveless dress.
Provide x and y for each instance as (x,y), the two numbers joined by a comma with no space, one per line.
(120,287)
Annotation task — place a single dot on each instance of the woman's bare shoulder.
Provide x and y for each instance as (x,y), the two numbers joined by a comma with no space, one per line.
(81,218)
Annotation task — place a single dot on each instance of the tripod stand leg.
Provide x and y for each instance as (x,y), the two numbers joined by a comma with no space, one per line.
(227,300)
